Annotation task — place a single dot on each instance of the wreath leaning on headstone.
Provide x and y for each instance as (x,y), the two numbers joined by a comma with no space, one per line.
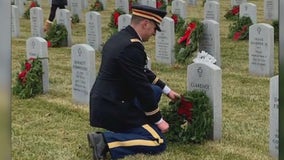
(113,24)
(240,29)
(178,22)
(188,40)
(75,19)
(34,3)
(97,6)
(233,14)
(190,118)
(161,4)
(57,35)
(29,80)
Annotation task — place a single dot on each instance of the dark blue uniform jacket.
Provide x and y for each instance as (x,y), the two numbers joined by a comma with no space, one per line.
(122,78)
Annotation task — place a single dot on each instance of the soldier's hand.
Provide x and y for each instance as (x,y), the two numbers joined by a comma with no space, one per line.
(173,95)
(163,126)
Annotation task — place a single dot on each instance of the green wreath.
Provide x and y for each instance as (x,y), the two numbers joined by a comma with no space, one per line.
(57,35)
(29,80)
(240,29)
(190,118)
(187,40)
(233,14)
(161,4)
(178,21)
(97,6)
(75,19)
(34,3)
(113,24)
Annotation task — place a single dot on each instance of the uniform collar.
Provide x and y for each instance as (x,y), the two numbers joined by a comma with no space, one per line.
(132,31)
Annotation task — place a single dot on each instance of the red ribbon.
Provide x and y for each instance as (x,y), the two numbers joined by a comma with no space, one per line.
(175,18)
(185,109)
(159,4)
(186,37)
(116,14)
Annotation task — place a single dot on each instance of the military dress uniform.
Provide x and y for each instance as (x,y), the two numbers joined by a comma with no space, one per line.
(124,98)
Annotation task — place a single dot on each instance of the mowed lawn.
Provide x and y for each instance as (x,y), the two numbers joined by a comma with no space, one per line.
(52,127)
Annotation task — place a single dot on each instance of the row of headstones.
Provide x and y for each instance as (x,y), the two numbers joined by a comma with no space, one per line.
(261,45)
(211,11)
(270,8)
(261,41)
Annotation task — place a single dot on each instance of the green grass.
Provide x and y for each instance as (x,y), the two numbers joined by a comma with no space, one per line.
(51,126)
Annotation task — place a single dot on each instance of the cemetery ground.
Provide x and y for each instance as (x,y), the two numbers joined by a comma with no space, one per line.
(51,126)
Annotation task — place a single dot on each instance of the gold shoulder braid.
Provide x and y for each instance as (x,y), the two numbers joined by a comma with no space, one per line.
(135,40)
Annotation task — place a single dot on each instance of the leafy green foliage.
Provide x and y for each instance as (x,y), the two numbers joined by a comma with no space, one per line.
(161,4)
(233,14)
(184,51)
(113,23)
(240,29)
(97,6)
(75,19)
(184,131)
(178,21)
(34,3)
(57,35)
(29,80)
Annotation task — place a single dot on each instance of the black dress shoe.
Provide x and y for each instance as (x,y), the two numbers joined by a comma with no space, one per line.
(97,143)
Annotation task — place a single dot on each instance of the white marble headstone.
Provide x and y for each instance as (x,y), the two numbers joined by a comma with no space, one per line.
(237,2)
(63,16)
(36,47)
(104,2)
(38,2)
(179,8)
(192,2)
(207,77)
(123,5)
(94,30)
(271,9)
(210,39)
(274,118)
(249,10)
(261,49)
(212,10)
(165,41)
(15,22)
(123,21)
(151,3)
(84,4)
(36,19)
(83,72)
(21,7)
(76,8)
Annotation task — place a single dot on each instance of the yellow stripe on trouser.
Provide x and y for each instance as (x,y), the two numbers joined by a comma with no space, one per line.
(139,142)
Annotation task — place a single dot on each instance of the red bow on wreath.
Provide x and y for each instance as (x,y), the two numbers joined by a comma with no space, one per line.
(235,10)
(186,37)
(33,4)
(23,74)
(237,35)
(115,18)
(175,18)
(185,109)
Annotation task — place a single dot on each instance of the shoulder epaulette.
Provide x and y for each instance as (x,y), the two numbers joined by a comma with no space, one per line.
(135,40)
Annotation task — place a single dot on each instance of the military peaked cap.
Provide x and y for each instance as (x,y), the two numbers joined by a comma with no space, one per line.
(151,13)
